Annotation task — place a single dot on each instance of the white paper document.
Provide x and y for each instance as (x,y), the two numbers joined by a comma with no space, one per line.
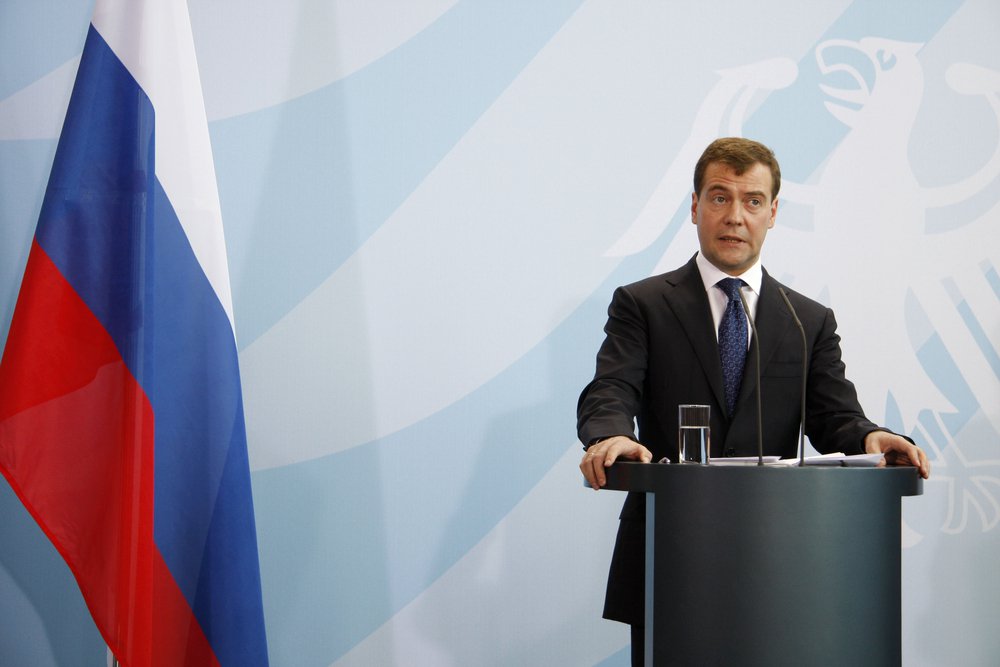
(838,459)
(743,461)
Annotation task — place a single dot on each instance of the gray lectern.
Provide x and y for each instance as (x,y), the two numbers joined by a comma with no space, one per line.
(749,565)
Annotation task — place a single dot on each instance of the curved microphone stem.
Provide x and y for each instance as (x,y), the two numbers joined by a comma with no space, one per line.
(805,372)
(756,349)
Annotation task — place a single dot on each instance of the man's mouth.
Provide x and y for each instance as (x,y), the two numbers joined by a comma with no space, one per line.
(731,239)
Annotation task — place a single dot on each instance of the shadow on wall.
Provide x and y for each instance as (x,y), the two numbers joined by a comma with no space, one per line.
(65,634)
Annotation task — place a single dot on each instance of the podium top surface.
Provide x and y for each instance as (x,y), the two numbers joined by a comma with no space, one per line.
(655,477)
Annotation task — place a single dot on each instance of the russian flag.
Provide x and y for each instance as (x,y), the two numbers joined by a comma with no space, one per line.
(121,417)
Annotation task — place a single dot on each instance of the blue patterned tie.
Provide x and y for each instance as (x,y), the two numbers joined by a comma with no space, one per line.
(732,340)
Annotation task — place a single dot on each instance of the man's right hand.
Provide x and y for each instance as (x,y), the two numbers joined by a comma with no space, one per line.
(603,453)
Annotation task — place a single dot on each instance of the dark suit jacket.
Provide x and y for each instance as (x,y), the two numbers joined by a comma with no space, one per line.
(660,351)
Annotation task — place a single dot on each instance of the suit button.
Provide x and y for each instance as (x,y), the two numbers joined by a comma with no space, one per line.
(730,451)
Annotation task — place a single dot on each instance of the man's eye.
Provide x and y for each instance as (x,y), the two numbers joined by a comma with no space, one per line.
(719,199)
(755,203)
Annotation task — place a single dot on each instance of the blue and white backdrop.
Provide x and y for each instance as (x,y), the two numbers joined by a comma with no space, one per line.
(428,205)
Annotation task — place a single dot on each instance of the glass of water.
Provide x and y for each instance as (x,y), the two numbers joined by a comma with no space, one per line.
(693,438)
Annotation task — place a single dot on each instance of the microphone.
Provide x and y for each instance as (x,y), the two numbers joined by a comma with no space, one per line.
(805,372)
(756,349)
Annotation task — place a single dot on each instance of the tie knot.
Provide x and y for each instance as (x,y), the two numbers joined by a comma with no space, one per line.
(731,286)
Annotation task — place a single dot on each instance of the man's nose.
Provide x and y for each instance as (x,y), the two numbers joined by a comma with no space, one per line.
(735,213)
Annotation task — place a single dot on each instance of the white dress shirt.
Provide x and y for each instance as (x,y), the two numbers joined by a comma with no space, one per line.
(718,300)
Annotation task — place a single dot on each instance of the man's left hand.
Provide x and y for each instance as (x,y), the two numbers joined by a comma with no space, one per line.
(897,451)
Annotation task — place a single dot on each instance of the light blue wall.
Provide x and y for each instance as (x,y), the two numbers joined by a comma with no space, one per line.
(427,207)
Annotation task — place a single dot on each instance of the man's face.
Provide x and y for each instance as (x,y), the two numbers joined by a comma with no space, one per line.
(733,214)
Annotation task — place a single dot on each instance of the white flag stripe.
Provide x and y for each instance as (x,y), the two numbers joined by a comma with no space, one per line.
(168,72)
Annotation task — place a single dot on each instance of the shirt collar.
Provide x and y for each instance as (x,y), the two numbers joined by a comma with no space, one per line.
(710,274)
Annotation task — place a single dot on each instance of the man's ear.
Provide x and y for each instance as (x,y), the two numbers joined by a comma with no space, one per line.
(694,208)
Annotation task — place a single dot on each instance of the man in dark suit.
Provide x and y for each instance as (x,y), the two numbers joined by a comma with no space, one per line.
(669,341)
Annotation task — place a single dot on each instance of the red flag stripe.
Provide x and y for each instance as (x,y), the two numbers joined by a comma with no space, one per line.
(76,445)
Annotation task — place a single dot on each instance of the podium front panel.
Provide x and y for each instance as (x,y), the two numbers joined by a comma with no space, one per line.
(752,565)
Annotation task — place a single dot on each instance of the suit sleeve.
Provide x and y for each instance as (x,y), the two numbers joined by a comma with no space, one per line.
(609,404)
(835,421)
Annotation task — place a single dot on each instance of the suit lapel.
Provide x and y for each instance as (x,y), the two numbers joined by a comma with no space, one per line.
(685,296)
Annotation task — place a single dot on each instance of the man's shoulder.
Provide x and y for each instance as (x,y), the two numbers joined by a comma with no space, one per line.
(663,281)
(803,304)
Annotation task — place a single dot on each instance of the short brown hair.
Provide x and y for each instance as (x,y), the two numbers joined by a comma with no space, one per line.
(740,154)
